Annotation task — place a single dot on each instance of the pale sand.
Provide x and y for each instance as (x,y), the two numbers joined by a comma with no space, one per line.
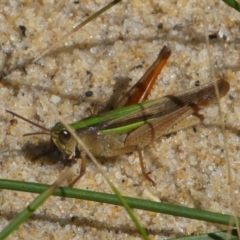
(188,167)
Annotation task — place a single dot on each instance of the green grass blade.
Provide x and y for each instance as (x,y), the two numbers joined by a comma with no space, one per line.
(128,209)
(117,192)
(213,236)
(89,19)
(233,4)
(29,210)
(147,205)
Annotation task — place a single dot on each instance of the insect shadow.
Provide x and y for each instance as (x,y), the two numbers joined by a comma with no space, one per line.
(45,155)
(42,154)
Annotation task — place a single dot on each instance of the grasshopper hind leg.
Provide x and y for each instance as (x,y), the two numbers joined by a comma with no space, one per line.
(127,149)
(145,174)
(131,149)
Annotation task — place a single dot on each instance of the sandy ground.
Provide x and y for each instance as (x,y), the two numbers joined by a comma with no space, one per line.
(188,167)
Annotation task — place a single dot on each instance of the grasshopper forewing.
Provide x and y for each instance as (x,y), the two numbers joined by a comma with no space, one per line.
(133,127)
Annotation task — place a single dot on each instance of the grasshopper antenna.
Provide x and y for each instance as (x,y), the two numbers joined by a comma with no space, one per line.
(46,131)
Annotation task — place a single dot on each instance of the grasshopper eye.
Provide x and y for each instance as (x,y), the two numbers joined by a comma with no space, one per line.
(64,136)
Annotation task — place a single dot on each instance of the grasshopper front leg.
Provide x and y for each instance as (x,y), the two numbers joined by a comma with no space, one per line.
(82,169)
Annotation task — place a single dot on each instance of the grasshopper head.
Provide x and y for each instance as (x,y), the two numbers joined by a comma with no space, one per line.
(64,141)
(59,135)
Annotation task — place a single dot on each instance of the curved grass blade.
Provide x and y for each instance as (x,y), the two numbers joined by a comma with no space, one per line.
(225,139)
(230,1)
(89,19)
(33,206)
(113,187)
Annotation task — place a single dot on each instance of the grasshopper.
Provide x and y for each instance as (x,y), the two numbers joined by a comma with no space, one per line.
(135,123)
